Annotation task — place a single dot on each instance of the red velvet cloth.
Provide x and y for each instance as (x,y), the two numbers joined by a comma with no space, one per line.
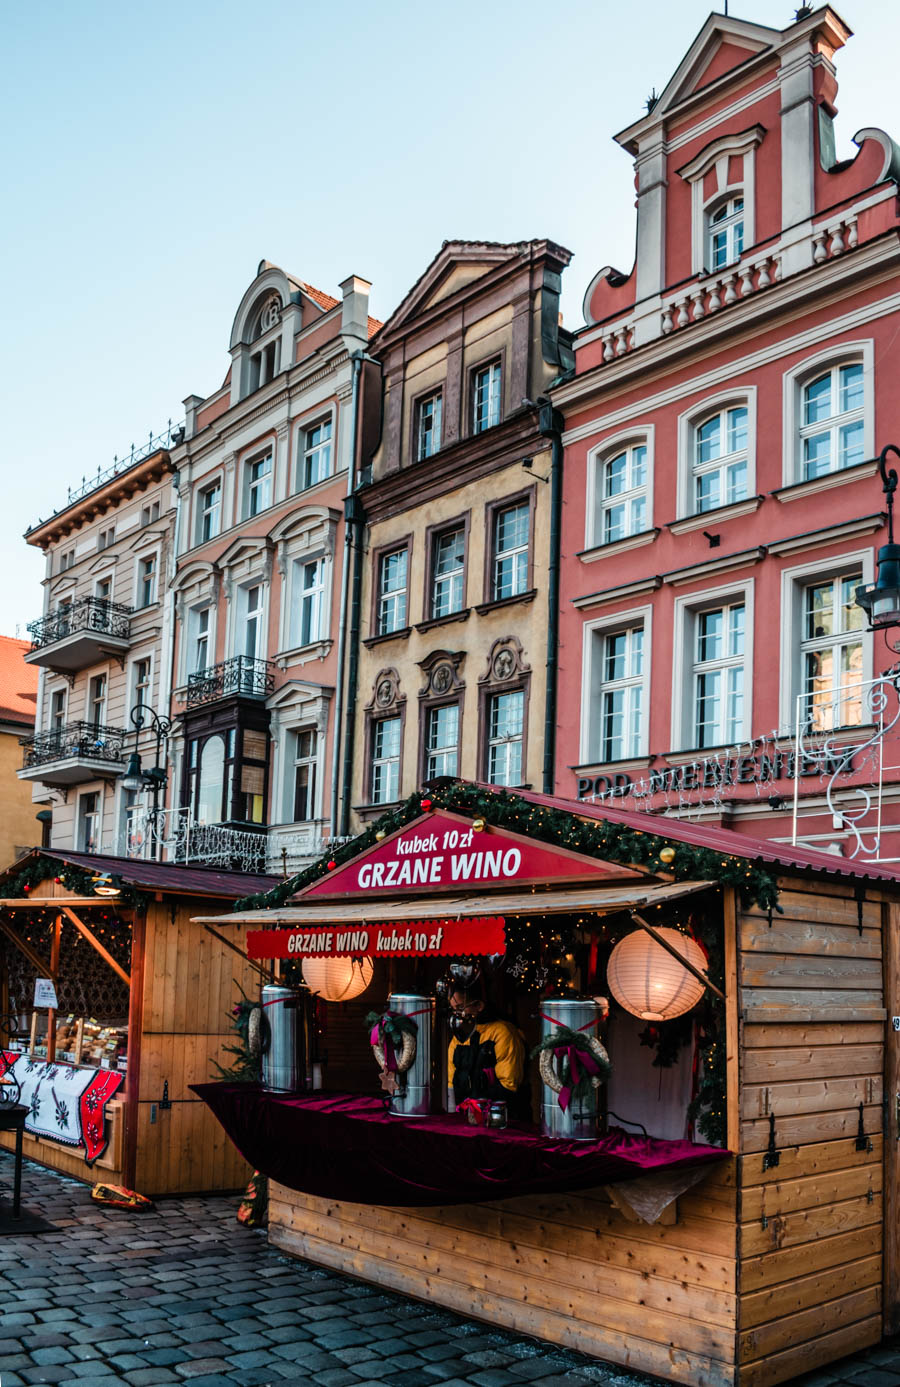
(342,1146)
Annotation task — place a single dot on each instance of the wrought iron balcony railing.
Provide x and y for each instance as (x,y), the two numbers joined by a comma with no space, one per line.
(239,675)
(94,614)
(78,741)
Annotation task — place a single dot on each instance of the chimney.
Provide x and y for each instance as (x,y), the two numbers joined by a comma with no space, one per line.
(191,405)
(355,313)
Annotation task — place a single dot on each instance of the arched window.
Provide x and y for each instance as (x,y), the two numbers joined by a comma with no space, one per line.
(719,462)
(832,425)
(725,222)
(622,504)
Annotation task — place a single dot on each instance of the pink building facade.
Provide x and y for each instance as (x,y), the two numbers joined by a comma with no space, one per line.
(722,499)
(262,475)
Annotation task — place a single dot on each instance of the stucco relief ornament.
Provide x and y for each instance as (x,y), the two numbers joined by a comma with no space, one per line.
(271,313)
(442,679)
(384,693)
(504,664)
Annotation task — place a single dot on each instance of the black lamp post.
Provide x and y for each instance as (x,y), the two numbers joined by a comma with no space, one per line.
(154,780)
(881,600)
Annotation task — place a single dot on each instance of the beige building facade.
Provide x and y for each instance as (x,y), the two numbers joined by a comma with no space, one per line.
(454,580)
(103,648)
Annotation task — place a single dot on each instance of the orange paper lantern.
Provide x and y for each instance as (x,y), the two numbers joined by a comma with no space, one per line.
(646,980)
(337,979)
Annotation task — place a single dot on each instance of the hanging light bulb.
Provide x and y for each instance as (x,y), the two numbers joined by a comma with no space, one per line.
(646,980)
(337,979)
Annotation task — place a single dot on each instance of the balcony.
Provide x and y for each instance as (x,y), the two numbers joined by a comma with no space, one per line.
(240,675)
(80,634)
(74,754)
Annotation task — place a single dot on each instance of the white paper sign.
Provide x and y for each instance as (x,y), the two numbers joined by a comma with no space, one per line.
(45,993)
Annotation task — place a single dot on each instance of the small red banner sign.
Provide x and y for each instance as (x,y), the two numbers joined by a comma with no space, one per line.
(404,938)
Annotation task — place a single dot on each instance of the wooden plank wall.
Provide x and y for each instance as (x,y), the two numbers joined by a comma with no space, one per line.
(568,1268)
(190,985)
(812,1029)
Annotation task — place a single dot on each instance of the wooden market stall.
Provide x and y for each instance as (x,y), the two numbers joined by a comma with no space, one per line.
(783,1254)
(144,1000)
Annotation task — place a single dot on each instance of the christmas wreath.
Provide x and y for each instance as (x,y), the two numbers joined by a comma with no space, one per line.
(393,1039)
(571,1064)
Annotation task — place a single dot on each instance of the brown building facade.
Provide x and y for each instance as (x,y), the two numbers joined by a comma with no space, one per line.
(454,579)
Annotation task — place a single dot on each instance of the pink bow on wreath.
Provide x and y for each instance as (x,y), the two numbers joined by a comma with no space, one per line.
(576,1058)
(380,1037)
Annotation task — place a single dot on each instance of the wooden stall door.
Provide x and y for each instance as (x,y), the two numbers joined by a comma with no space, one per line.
(891,955)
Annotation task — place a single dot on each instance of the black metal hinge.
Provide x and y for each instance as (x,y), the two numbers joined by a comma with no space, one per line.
(772,1156)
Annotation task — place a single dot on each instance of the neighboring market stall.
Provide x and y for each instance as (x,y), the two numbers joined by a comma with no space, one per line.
(751,1233)
(139,1007)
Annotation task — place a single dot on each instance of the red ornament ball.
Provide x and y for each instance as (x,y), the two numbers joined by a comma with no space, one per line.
(426,803)
(332,864)
(26,887)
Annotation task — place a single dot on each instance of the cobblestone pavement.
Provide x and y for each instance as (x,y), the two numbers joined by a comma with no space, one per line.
(186,1295)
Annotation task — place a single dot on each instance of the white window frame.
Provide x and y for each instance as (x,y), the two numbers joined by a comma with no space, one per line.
(729,224)
(124,844)
(319,595)
(107,577)
(59,690)
(683,737)
(858,352)
(717,156)
(375,760)
(305,451)
(90,702)
(454,578)
(191,635)
(142,559)
(594,638)
(441,752)
(132,681)
(491,742)
(793,582)
(493,370)
(497,554)
(204,491)
(738,397)
(80,821)
(388,600)
(263,484)
(315,763)
(239,631)
(434,435)
(598,457)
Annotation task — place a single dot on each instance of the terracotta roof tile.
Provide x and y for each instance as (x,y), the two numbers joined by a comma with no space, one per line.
(325,301)
(374,325)
(18,682)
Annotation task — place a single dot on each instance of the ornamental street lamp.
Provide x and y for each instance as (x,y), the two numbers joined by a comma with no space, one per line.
(154,779)
(881,600)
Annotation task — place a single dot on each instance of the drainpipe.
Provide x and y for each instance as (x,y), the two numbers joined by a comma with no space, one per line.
(550,425)
(354,521)
(349,504)
(355,337)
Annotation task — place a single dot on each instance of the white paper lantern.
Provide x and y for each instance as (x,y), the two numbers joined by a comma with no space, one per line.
(647,981)
(337,979)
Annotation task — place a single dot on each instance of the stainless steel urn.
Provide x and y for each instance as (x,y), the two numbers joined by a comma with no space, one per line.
(284,1059)
(412,1097)
(579,1121)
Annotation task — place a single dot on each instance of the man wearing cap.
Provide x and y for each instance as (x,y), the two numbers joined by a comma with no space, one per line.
(486,1055)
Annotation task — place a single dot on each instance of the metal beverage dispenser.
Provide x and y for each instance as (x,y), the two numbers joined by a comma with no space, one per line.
(579,1121)
(284,1048)
(412,1097)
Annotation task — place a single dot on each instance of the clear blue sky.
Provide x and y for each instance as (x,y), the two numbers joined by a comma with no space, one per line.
(156,153)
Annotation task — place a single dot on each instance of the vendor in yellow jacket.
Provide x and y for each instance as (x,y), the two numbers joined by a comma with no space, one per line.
(486,1055)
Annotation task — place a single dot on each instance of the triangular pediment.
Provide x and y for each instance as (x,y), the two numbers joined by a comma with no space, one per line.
(456,265)
(441,851)
(722,45)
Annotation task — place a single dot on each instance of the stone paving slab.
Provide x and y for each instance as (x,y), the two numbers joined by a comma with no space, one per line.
(186,1295)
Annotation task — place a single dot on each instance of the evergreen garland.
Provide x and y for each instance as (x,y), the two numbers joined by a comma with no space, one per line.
(560,828)
(34,870)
